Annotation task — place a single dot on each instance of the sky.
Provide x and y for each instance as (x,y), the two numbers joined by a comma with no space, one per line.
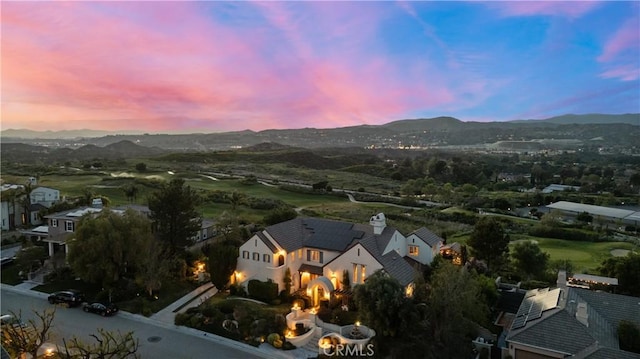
(215,66)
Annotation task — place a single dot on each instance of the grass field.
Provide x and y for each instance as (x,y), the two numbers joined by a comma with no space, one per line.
(585,256)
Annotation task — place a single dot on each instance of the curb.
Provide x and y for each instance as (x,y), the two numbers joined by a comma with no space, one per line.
(258,351)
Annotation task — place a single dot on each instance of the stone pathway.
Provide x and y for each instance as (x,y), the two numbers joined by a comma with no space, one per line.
(193,299)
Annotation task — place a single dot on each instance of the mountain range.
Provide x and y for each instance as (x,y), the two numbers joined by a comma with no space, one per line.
(569,130)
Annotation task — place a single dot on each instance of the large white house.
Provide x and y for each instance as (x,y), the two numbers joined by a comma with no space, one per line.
(318,252)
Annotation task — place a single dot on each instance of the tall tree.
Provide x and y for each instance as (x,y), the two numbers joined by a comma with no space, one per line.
(626,269)
(131,191)
(223,258)
(455,305)
(384,313)
(529,259)
(173,211)
(107,244)
(153,268)
(489,242)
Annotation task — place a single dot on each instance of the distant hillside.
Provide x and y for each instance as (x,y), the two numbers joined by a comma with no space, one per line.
(64,134)
(20,152)
(591,119)
(613,130)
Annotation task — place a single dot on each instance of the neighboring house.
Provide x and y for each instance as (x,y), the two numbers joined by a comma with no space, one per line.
(34,213)
(44,196)
(570,322)
(318,252)
(11,211)
(207,230)
(62,225)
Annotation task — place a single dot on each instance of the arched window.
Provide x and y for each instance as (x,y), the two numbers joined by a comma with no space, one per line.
(280,260)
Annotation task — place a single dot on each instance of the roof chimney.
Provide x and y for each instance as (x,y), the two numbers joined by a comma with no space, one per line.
(378,222)
(561,282)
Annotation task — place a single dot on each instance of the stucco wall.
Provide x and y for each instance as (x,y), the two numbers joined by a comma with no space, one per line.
(357,254)
(397,243)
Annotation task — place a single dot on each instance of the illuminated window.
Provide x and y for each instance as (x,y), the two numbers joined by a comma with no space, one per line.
(314,256)
(355,273)
(299,253)
(414,250)
(364,272)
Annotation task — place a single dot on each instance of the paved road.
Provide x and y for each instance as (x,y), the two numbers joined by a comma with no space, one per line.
(174,342)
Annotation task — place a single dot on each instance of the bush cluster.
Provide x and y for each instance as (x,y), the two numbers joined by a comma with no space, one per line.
(264,291)
(563,233)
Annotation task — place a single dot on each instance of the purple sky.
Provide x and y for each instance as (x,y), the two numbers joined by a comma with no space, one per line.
(225,66)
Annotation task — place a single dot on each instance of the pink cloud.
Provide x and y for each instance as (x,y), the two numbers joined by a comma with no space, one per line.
(570,9)
(624,73)
(626,38)
(128,66)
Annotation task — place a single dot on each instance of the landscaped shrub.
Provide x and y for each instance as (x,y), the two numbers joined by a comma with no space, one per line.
(264,291)
(182,318)
(563,233)
(237,290)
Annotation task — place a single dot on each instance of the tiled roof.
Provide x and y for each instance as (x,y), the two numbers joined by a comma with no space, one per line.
(398,268)
(393,263)
(610,353)
(558,331)
(612,307)
(428,237)
(314,232)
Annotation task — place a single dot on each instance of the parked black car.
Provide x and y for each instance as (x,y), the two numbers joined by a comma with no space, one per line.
(70,297)
(104,309)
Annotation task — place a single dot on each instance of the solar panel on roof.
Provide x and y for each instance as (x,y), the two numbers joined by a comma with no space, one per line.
(535,312)
(524,307)
(519,322)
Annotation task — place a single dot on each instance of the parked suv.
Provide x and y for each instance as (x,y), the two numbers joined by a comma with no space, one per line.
(70,297)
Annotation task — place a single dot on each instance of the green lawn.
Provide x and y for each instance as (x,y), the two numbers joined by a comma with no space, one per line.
(585,256)
(9,275)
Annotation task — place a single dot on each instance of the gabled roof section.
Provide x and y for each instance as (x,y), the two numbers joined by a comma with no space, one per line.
(314,232)
(397,267)
(612,307)
(267,242)
(558,332)
(560,329)
(608,353)
(428,237)
(392,262)
(332,235)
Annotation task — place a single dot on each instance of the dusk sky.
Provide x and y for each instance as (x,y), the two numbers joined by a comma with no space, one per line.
(227,66)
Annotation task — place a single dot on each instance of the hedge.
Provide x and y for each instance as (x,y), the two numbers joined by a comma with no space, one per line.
(562,233)
(264,291)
